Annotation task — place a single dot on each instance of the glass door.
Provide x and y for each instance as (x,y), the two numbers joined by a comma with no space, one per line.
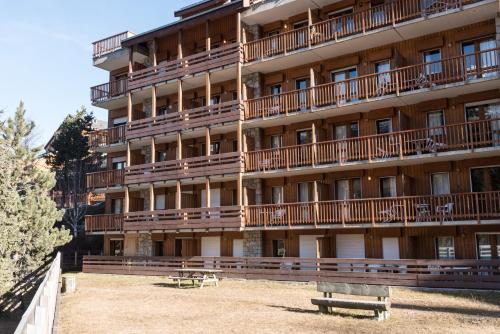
(301,86)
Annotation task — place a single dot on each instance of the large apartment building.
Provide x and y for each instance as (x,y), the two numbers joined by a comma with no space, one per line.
(298,128)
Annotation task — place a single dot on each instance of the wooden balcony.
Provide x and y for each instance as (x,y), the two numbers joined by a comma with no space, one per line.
(476,274)
(467,137)
(456,70)
(105,179)
(107,91)
(217,114)
(217,164)
(68,200)
(454,209)
(109,44)
(219,218)
(200,62)
(107,137)
(108,223)
(347,26)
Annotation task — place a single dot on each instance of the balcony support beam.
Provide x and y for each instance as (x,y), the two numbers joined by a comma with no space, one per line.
(129,106)
(127,161)
(126,201)
(153,150)
(207,35)
(179,146)
(179,44)
(207,191)
(180,105)
(207,142)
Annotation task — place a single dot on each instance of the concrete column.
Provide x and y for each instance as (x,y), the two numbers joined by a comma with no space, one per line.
(126,201)
(151,198)
(178,195)
(153,150)
(253,244)
(153,101)
(144,244)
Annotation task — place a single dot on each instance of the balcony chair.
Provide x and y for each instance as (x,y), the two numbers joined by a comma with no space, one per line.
(423,211)
(445,211)
(433,146)
(390,214)
(278,216)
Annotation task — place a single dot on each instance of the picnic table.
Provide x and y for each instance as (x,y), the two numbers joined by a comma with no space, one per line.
(201,275)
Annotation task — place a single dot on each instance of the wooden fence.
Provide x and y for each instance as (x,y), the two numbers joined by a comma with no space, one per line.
(348,25)
(477,274)
(407,210)
(39,317)
(484,64)
(453,137)
(106,137)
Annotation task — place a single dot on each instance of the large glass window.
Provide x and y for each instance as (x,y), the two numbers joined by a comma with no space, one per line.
(433,61)
(485,179)
(303,192)
(304,137)
(445,248)
(117,205)
(344,21)
(384,126)
(278,248)
(116,247)
(435,121)
(345,90)
(276,141)
(277,193)
(440,183)
(388,186)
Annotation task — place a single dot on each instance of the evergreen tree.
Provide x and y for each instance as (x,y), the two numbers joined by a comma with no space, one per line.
(27,213)
(71,159)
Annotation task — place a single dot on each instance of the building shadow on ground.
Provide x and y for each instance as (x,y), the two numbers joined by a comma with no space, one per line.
(448,309)
(175,285)
(305,311)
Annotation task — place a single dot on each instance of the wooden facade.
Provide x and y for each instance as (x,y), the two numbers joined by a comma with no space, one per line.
(226,125)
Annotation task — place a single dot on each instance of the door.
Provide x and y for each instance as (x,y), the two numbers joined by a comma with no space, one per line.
(390,248)
(303,197)
(340,134)
(238,248)
(300,34)
(210,246)
(160,202)
(214,198)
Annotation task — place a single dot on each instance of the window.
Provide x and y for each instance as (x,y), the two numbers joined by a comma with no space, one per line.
(384,126)
(116,247)
(484,247)
(117,205)
(214,148)
(303,192)
(274,41)
(277,193)
(215,100)
(440,183)
(276,141)
(300,34)
(445,248)
(433,61)
(120,121)
(278,248)
(118,163)
(354,129)
(160,202)
(477,53)
(348,189)
(378,14)
(485,179)
(435,121)
(384,78)
(344,21)
(301,85)
(276,89)
(304,137)
(388,186)
(158,250)
(345,90)
(161,156)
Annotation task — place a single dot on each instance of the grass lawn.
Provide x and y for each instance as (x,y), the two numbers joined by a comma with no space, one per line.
(138,304)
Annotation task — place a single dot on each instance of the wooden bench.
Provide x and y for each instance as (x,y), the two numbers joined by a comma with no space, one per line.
(381,306)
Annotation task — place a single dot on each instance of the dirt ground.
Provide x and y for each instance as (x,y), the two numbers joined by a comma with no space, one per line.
(137,304)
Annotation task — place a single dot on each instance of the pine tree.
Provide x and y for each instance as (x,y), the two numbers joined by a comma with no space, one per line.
(27,213)
(71,159)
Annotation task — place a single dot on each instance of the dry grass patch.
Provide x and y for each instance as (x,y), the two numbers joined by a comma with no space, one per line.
(137,304)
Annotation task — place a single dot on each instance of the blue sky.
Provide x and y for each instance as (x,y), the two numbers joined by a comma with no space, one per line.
(46,57)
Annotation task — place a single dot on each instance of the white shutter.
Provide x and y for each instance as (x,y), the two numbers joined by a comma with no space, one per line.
(210,246)
(308,246)
(350,246)
(390,248)
(160,202)
(237,247)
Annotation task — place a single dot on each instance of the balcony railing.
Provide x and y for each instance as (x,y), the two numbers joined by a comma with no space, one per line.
(455,137)
(109,44)
(187,119)
(106,137)
(193,218)
(408,210)
(460,69)
(348,25)
(106,91)
(105,179)
(477,274)
(199,62)
(68,200)
(104,223)
(217,164)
